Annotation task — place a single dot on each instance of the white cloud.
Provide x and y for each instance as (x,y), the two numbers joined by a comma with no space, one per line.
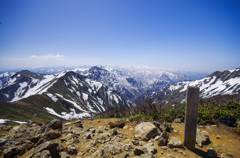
(33,61)
(49,56)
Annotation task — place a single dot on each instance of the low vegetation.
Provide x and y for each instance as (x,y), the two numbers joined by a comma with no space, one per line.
(210,111)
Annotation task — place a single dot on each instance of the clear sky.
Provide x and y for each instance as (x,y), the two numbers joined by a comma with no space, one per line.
(193,35)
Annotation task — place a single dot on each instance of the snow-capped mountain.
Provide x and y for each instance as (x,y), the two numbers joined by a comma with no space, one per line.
(132,82)
(217,83)
(4,78)
(82,96)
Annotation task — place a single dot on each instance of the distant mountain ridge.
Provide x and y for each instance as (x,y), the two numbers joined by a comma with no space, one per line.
(85,91)
(75,91)
(218,83)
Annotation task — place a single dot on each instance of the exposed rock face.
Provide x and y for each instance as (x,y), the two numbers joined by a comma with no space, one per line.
(202,139)
(145,131)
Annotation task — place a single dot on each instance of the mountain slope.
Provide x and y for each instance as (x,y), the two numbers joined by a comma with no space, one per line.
(4,78)
(217,83)
(79,95)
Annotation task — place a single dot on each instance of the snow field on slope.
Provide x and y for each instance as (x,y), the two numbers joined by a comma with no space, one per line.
(68,116)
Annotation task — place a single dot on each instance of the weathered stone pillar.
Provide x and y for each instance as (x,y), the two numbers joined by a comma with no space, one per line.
(190,126)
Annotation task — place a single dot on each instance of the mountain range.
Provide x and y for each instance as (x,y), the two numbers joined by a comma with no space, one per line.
(84,91)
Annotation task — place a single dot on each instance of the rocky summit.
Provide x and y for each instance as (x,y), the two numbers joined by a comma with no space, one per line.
(120,138)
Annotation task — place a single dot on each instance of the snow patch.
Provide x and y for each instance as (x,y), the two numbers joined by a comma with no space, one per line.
(54,98)
(2,121)
(68,116)
(85,96)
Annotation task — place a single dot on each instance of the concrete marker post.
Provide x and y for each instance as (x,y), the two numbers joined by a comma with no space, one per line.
(190,123)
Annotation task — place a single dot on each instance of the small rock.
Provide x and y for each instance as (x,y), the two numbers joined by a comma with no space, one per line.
(177,120)
(114,132)
(67,124)
(182,152)
(170,156)
(52,135)
(202,139)
(156,138)
(135,142)
(78,123)
(118,123)
(164,127)
(88,135)
(145,131)
(227,155)
(174,143)
(138,151)
(128,147)
(45,153)
(64,155)
(175,149)
(148,148)
(218,137)
(51,146)
(99,130)
(10,152)
(3,141)
(175,131)
(164,147)
(211,153)
(163,139)
(72,150)
(55,124)
(125,127)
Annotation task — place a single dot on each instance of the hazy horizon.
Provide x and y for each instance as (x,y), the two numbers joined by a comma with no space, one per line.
(197,36)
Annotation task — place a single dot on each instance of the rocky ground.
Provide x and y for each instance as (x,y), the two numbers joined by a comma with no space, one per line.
(114,138)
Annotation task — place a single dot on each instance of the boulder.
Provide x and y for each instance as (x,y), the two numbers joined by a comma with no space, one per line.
(163,139)
(50,146)
(54,124)
(145,131)
(174,143)
(202,139)
(119,124)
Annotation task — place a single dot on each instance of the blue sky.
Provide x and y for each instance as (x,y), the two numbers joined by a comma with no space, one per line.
(201,35)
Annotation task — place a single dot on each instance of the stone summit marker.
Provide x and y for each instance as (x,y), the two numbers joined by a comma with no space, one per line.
(190,125)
